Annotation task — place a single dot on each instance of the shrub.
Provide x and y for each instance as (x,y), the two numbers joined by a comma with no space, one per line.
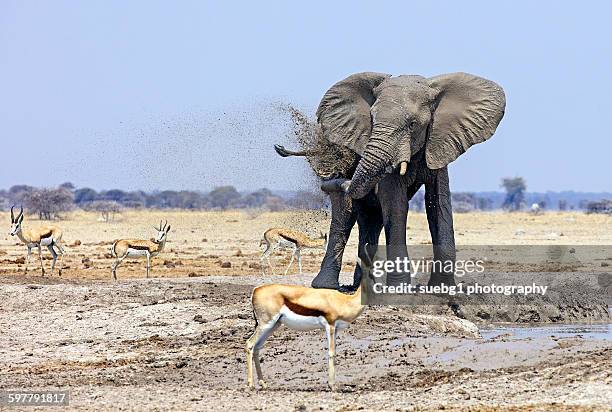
(48,203)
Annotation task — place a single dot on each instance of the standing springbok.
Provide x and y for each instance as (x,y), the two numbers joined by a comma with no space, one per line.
(124,248)
(299,308)
(282,238)
(48,235)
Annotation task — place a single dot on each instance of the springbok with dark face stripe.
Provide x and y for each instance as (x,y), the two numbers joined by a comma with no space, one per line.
(283,238)
(48,235)
(125,248)
(299,308)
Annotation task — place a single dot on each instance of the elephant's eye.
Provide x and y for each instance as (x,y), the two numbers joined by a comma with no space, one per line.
(412,125)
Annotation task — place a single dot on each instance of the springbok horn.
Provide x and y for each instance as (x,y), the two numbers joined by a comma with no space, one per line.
(12,214)
(20,212)
(165,225)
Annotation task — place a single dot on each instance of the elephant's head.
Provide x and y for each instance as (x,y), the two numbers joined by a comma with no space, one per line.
(386,120)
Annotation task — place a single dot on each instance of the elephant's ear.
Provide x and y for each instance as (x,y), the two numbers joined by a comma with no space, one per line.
(344,111)
(468,110)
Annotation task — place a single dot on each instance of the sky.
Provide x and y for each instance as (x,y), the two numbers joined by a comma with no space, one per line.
(184,95)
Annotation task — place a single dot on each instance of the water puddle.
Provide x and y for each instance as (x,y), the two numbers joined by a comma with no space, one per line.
(584,331)
(512,345)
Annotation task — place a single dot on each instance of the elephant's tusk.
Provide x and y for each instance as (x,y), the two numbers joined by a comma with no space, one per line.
(345,185)
(403,168)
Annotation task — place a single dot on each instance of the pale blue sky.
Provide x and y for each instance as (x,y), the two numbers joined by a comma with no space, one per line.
(155,95)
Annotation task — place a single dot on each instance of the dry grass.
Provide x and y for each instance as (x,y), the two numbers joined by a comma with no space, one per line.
(200,242)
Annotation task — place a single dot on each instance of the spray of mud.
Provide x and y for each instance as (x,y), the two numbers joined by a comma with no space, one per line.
(331,160)
(200,149)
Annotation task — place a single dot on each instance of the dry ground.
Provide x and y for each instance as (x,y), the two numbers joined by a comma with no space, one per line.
(176,341)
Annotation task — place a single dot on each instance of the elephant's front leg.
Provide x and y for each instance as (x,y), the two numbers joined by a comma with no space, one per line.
(370,222)
(392,196)
(440,219)
(342,222)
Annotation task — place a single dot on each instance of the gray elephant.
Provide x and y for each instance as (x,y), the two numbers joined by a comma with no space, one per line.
(378,140)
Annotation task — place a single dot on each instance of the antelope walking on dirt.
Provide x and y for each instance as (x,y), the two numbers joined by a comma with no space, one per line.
(125,248)
(48,235)
(299,308)
(282,238)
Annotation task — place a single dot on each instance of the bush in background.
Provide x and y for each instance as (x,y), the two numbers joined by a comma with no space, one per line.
(107,208)
(48,203)
(602,206)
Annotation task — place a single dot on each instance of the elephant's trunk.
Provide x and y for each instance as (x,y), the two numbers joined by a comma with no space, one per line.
(371,168)
(388,147)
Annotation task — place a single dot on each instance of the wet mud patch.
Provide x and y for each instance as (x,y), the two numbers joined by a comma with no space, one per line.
(178,344)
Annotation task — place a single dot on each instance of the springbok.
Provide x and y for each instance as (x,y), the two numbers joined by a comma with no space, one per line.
(283,238)
(299,308)
(124,248)
(48,235)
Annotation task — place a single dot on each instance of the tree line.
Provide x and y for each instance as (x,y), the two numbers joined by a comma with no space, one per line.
(49,203)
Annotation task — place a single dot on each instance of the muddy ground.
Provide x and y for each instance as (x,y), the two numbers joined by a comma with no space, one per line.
(178,344)
(176,341)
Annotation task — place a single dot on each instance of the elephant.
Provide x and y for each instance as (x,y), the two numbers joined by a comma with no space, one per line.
(378,140)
